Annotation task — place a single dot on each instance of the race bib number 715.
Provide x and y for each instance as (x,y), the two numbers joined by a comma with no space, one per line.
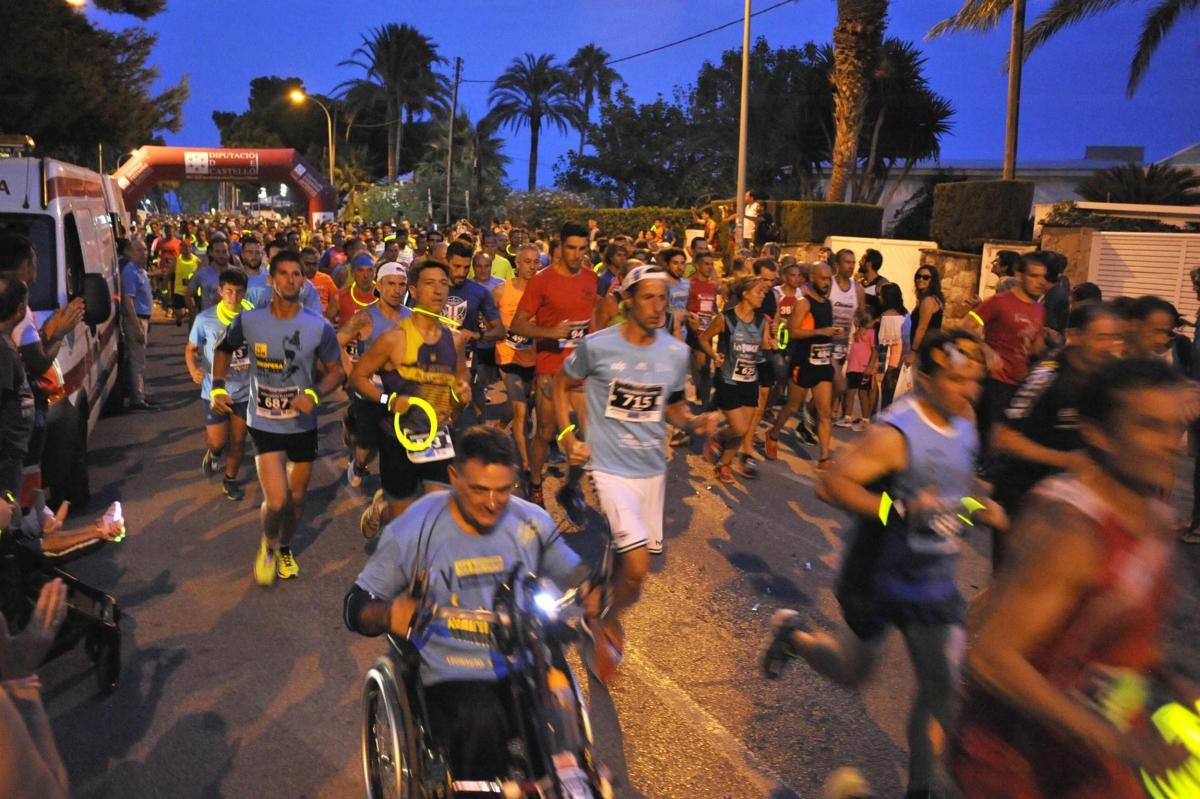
(634,402)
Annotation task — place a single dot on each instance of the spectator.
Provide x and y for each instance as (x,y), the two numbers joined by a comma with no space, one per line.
(136,306)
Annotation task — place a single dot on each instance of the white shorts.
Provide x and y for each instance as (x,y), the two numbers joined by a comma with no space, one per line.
(634,509)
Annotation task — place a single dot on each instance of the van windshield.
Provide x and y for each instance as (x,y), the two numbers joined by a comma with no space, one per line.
(39,228)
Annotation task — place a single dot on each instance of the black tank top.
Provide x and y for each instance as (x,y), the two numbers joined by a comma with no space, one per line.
(817,350)
(935,323)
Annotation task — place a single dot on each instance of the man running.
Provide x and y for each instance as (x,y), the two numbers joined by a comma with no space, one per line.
(424,377)
(204,289)
(811,364)
(356,296)
(701,308)
(364,418)
(633,376)
(514,353)
(222,429)
(1068,658)
(472,308)
(906,484)
(250,258)
(556,312)
(287,347)
(846,295)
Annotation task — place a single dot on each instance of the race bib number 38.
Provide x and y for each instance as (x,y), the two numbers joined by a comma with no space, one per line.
(634,402)
(276,403)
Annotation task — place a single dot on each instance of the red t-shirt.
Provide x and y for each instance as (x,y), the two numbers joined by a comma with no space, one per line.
(350,304)
(1010,328)
(551,298)
(702,300)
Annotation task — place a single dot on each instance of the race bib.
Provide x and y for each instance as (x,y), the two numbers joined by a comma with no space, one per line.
(441,449)
(936,534)
(240,359)
(745,370)
(634,402)
(818,354)
(708,307)
(517,342)
(705,320)
(839,352)
(578,330)
(276,403)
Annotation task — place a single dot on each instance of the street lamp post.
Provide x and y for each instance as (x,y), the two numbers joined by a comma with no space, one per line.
(743,127)
(298,96)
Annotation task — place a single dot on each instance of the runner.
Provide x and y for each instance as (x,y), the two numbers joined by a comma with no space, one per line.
(515,353)
(472,307)
(701,308)
(743,335)
(634,378)
(846,296)
(1069,655)
(811,364)
(250,258)
(222,429)
(204,289)
(424,374)
(356,296)
(325,287)
(364,418)
(674,260)
(556,312)
(287,348)
(899,569)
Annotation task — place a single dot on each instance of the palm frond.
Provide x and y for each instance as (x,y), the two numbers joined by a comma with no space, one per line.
(1158,24)
(978,16)
(1061,14)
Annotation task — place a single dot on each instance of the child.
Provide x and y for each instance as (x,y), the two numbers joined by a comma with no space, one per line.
(860,368)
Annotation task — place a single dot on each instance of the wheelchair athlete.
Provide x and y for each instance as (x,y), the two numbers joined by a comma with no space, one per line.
(462,544)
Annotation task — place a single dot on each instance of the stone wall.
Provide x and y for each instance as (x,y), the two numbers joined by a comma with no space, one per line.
(960,280)
(1073,242)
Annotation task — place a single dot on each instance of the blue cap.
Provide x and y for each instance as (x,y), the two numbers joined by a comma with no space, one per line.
(362,260)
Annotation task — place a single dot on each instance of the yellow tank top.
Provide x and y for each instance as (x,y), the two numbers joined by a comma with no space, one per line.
(513,349)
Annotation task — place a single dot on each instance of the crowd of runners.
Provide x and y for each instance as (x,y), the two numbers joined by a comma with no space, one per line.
(475,358)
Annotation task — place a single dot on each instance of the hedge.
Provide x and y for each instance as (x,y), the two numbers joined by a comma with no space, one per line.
(798,220)
(628,221)
(967,214)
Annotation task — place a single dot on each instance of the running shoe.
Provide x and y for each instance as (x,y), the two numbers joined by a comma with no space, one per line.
(233,490)
(208,464)
(536,496)
(570,497)
(842,421)
(749,466)
(285,565)
(859,425)
(372,518)
(355,474)
(712,449)
(606,651)
(771,447)
(264,565)
(725,474)
(780,648)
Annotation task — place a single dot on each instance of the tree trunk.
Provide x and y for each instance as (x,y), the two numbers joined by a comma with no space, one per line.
(857,40)
(391,151)
(587,115)
(866,184)
(535,126)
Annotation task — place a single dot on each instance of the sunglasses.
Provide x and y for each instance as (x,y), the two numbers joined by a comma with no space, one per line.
(924,277)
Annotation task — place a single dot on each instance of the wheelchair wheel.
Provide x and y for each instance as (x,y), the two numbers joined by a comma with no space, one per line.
(104,649)
(389,737)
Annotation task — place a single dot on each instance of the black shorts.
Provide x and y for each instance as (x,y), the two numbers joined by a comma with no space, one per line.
(178,302)
(518,380)
(212,418)
(869,617)
(485,356)
(400,477)
(365,418)
(731,396)
(806,375)
(300,447)
(858,381)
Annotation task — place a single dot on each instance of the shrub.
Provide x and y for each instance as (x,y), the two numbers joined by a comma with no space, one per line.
(534,209)
(627,221)
(799,221)
(967,214)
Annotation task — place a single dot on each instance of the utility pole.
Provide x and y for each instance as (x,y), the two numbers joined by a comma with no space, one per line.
(458,62)
(743,128)
(100,157)
(1016,58)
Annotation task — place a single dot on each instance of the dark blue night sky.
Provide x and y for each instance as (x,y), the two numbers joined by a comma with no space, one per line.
(1074,89)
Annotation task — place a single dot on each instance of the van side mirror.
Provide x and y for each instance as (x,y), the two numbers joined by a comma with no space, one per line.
(97,299)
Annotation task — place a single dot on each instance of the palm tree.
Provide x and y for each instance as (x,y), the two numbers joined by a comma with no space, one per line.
(399,63)
(983,15)
(351,176)
(857,42)
(594,80)
(532,91)
(1157,184)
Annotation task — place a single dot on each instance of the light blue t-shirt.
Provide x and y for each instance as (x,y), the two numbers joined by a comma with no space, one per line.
(205,286)
(677,294)
(284,354)
(464,571)
(627,387)
(206,332)
(259,295)
(135,283)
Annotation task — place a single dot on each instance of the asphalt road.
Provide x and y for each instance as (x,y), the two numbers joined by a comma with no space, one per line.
(230,690)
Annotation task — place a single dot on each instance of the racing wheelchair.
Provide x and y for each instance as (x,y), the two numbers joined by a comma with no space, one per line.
(551,754)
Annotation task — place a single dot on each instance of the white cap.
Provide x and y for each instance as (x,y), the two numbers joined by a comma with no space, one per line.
(640,273)
(389,269)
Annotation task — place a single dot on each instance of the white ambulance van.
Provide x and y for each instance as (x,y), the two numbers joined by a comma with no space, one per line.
(63,209)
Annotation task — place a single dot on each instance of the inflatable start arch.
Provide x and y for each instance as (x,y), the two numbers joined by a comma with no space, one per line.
(149,165)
